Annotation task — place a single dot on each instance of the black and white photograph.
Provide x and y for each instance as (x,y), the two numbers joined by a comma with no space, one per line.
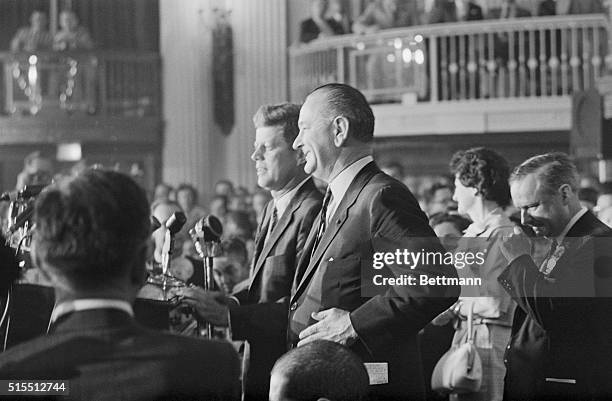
(306,200)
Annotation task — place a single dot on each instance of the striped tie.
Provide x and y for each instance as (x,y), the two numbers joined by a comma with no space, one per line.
(548,263)
(322,221)
(273,220)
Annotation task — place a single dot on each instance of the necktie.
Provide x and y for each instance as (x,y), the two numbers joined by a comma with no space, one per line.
(273,220)
(262,236)
(548,263)
(322,220)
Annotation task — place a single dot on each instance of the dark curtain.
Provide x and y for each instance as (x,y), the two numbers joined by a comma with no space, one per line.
(223,74)
(121,24)
(16,13)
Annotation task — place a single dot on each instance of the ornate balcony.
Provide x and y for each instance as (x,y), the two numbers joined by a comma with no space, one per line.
(108,102)
(474,77)
(95,89)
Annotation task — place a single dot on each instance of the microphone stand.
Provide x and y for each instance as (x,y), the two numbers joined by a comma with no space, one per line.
(210,250)
(173,225)
(166,258)
(206,235)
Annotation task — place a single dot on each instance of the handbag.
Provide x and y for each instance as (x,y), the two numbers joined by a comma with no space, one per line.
(459,370)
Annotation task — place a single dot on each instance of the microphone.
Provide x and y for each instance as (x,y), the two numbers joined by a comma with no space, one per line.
(176,222)
(27,192)
(22,218)
(155,224)
(209,228)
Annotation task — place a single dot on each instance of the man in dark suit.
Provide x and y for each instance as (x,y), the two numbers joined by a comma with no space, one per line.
(364,212)
(560,347)
(453,11)
(279,243)
(91,241)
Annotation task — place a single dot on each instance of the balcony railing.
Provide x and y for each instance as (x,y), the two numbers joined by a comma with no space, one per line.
(102,83)
(527,57)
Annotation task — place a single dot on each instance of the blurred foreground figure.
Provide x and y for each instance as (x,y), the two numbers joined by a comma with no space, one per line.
(91,240)
(321,370)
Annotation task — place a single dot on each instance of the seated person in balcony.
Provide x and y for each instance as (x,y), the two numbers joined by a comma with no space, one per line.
(336,11)
(509,9)
(454,11)
(385,14)
(34,37)
(318,26)
(547,8)
(568,7)
(71,35)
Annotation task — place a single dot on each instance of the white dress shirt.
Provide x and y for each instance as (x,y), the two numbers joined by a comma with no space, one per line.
(282,202)
(77,305)
(340,184)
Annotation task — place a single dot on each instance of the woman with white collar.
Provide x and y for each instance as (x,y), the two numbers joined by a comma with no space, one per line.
(482,192)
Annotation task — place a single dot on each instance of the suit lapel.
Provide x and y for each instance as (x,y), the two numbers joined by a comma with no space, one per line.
(276,233)
(284,222)
(261,236)
(302,264)
(334,225)
(579,234)
(588,224)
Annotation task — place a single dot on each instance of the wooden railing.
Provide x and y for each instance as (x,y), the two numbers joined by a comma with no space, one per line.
(102,83)
(527,57)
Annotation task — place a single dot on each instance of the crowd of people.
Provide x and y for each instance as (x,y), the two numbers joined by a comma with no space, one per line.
(292,277)
(329,18)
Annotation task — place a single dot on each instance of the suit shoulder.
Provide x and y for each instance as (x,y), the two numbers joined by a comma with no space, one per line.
(23,350)
(388,187)
(313,198)
(188,343)
(310,191)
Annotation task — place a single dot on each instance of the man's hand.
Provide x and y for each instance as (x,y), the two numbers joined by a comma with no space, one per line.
(208,305)
(333,324)
(515,245)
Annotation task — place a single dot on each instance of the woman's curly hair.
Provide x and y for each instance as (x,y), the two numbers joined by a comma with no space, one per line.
(485,170)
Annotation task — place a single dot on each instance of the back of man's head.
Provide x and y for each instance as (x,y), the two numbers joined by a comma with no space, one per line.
(92,230)
(346,101)
(319,370)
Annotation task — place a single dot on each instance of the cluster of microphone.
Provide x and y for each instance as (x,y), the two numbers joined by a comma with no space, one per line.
(22,209)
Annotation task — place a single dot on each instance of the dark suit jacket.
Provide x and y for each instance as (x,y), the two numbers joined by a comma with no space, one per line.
(310,31)
(445,11)
(271,280)
(562,328)
(518,13)
(106,355)
(376,214)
